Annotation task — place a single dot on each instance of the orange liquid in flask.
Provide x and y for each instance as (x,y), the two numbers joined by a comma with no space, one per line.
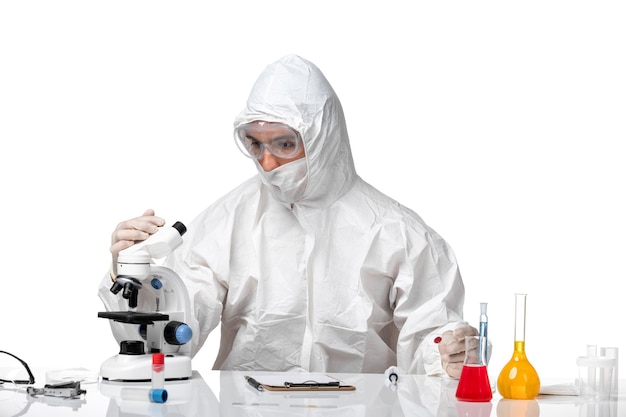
(519,380)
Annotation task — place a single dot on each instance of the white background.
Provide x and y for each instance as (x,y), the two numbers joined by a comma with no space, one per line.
(501,124)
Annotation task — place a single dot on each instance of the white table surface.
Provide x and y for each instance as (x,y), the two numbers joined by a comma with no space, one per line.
(215,393)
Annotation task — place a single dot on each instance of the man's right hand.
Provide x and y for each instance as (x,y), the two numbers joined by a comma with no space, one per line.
(452,349)
(129,232)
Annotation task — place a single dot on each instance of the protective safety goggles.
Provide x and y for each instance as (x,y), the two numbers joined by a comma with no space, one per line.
(13,370)
(281,140)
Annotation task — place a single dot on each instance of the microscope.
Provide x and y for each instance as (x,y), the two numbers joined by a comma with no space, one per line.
(162,325)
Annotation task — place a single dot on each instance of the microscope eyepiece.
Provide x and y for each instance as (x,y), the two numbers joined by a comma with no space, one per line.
(182,229)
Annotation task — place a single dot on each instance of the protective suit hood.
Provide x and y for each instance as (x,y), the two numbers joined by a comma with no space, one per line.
(294,91)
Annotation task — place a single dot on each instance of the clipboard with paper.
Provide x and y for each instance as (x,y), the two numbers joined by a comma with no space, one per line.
(299,382)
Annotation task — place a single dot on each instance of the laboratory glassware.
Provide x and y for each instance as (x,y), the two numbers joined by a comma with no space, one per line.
(158,371)
(474,383)
(518,379)
(612,352)
(595,376)
(482,333)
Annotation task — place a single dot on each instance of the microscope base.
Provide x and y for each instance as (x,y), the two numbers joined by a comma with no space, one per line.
(138,368)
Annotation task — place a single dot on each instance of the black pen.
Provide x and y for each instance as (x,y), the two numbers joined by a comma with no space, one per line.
(256,384)
(311,384)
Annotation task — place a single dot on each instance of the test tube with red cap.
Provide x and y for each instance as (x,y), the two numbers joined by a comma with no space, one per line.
(158,371)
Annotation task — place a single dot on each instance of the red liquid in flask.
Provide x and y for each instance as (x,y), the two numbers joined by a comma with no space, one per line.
(474,384)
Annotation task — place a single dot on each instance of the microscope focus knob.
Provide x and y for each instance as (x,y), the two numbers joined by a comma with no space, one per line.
(177,333)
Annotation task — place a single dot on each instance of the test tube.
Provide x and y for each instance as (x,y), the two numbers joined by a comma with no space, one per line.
(144,394)
(592,353)
(482,333)
(613,353)
(158,371)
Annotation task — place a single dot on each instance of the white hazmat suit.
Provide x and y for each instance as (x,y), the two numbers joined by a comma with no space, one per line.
(308,267)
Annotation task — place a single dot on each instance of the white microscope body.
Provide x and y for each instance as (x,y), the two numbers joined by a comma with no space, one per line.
(163,326)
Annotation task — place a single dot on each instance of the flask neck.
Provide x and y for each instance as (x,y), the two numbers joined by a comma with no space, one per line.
(520,317)
(519,351)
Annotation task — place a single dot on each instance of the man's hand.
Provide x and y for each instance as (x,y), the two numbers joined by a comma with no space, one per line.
(129,232)
(452,349)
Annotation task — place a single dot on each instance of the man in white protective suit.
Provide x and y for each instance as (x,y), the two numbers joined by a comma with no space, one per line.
(307,266)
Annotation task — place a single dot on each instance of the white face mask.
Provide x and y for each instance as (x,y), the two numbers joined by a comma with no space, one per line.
(287,182)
